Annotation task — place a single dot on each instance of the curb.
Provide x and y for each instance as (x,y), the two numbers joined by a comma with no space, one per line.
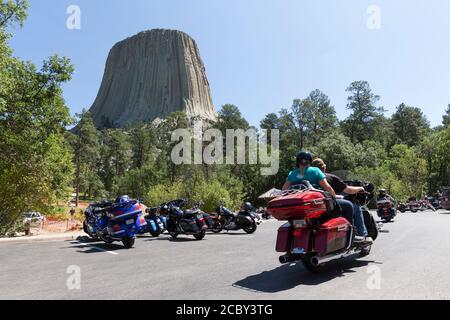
(61,237)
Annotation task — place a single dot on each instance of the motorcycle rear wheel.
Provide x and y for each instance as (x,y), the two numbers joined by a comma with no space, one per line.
(251,229)
(155,234)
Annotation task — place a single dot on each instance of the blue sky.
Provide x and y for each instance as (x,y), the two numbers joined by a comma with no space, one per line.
(261,54)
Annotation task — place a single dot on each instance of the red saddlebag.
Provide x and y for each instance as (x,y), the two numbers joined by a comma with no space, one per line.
(283,239)
(290,239)
(332,236)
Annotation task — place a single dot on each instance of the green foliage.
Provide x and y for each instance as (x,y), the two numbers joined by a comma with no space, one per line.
(446,117)
(211,192)
(366,120)
(163,193)
(13,12)
(35,164)
(409,125)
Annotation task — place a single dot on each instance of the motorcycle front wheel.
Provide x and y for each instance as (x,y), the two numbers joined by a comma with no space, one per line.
(128,242)
(217,227)
(200,236)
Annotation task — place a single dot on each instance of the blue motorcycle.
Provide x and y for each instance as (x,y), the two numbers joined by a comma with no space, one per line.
(118,221)
(156,224)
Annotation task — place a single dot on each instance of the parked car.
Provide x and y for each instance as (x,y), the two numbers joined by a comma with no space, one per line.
(33,218)
(446,199)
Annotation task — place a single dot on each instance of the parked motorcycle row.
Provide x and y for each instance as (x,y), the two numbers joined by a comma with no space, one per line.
(414,205)
(124,219)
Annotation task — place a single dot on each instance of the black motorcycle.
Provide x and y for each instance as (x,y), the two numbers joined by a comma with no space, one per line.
(208,220)
(188,222)
(362,199)
(228,221)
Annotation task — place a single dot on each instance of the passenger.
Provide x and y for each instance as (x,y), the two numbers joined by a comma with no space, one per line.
(317,178)
(339,187)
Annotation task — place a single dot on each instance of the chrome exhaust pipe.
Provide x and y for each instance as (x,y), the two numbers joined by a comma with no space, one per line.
(288,258)
(317,261)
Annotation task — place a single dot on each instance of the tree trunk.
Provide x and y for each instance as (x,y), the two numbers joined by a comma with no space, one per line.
(77,198)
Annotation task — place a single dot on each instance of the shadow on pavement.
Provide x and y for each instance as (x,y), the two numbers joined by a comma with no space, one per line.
(287,276)
(232,233)
(185,238)
(94,246)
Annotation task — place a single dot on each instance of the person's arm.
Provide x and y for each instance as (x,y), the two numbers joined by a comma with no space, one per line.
(353,190)
(286,186)
(326,186)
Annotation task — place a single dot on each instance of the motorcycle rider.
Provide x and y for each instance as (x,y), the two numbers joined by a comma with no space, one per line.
(382,194)
(316,177)
(339,187)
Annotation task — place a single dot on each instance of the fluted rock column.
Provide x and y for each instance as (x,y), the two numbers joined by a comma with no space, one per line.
(151,75)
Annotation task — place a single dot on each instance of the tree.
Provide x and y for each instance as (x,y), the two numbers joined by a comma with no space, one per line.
(410,169)
(322,117)
(270,121)
(409,125)
(446,117)
(301,113)
(366,120)
(142,146)
(35,166)
(13,12)
(85,144)
(119,147)
(337,151)
(230,117)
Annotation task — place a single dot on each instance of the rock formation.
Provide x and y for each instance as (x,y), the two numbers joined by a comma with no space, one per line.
(151,75)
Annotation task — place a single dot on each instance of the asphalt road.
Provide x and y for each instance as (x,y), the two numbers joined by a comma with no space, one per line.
(410,262)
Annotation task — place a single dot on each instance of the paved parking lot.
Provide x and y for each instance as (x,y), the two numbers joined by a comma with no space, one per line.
(412,261)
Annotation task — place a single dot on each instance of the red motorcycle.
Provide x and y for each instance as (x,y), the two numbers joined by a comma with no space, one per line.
(385,209)
(315,232)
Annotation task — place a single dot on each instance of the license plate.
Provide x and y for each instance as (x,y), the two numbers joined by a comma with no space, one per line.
(299,223)
(131,221)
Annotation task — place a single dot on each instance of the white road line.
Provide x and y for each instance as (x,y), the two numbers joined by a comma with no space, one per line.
(97,248)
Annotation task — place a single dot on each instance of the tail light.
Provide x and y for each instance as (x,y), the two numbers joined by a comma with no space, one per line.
(116,228)
(299,226)
(297,232)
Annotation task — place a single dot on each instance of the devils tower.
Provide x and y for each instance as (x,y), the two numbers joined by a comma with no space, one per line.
(151,75)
